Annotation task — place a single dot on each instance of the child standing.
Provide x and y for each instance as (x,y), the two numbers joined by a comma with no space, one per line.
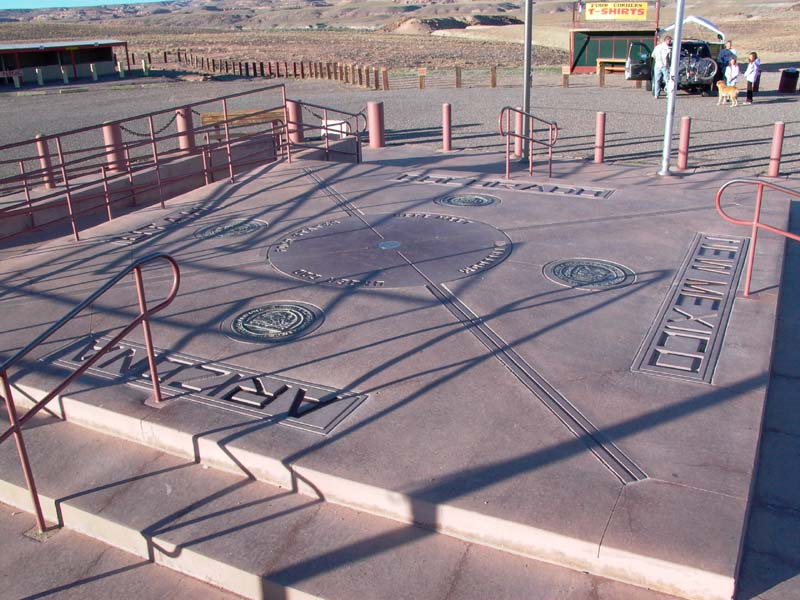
(751,75)
(731,72)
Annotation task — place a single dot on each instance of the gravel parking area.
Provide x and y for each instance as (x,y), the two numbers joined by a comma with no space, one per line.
(723,138)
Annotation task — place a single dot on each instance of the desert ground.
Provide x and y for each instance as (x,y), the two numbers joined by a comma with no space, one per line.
(434,33)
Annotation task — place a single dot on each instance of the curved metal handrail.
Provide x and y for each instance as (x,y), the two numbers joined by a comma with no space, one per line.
(756,223)
(552,129)
(143,318)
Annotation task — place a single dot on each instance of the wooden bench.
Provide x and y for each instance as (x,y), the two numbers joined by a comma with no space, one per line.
(239,118)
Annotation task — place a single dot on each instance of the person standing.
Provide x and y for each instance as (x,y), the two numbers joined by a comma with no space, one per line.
(662,55)
(751,75)
(732,72)
(725,55)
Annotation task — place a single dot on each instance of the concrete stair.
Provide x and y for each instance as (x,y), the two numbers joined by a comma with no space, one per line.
(259,540)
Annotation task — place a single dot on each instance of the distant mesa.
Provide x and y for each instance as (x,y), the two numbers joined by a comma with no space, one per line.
(414,25)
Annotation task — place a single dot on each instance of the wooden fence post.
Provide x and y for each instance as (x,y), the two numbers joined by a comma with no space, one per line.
(458,77)
(421,73)
(385,77)
(494,77)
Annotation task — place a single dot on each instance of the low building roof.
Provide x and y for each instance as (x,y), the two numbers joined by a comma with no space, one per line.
(59,45)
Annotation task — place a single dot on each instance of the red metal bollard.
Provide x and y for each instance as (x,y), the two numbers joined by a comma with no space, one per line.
(45,163)
(295,114)
(518,126)
(115,151)
(776,150)
(600,138)
(183,122)
(377,132)
(446,133)
(683,143)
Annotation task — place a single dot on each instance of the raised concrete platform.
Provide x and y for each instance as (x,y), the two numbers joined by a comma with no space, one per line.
(561,371)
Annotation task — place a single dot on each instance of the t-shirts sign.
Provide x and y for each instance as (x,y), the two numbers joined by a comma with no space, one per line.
(616,11)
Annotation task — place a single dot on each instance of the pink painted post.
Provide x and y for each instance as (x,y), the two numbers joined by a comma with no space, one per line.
(776,150)
(295,113)
(115,153)
(518,122)
(446,133)
(22,452)
(751,251)
(683,143)
(599,137)
(183,122)
(45,163)
(375,124)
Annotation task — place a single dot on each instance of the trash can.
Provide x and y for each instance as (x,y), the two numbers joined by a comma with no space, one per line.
(788,82)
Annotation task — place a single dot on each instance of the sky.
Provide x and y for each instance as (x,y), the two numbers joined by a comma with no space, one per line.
(7,4)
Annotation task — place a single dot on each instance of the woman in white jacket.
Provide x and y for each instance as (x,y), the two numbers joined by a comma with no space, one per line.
(751,75)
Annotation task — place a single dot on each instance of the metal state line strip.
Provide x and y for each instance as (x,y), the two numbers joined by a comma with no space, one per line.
(623,467)
(614,459)
(339,199)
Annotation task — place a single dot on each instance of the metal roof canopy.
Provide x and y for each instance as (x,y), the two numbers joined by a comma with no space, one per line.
(64,45)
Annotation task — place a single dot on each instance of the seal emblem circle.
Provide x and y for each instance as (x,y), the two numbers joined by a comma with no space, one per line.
(588,273)
(275,322)
(231,228)
(467,200)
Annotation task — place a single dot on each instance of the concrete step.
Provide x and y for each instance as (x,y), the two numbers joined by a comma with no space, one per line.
(71,566)
(223,449)
(259,540)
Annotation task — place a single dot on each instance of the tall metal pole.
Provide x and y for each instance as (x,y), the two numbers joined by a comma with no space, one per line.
(526,73)
(672,86)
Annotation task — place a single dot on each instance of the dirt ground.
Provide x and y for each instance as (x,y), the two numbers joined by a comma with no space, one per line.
(769,27)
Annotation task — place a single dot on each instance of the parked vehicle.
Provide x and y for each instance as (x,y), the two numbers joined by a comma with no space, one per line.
(697,69)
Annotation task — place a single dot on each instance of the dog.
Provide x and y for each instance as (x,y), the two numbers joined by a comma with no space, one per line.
(728,92)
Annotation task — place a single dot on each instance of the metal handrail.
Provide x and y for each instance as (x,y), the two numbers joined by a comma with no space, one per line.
(293,127)
(756,223)
(519,116)
(15,428)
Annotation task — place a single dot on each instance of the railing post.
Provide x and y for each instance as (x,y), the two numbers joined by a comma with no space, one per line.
(295,124)
(751,251)
(156,162)
(21,164)
(67,188)
(518,126)
(599,137)
(148,339)
(228,151)
(508,140)
(776,150)
(375,124)
(446,129)
(106,192)
(22,452)
(45,162)
(185,127)
(112,138)
(683,143)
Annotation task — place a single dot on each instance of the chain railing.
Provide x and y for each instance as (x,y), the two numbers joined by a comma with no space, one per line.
(57,174)
(520,139)
(143,318)
(755,224)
